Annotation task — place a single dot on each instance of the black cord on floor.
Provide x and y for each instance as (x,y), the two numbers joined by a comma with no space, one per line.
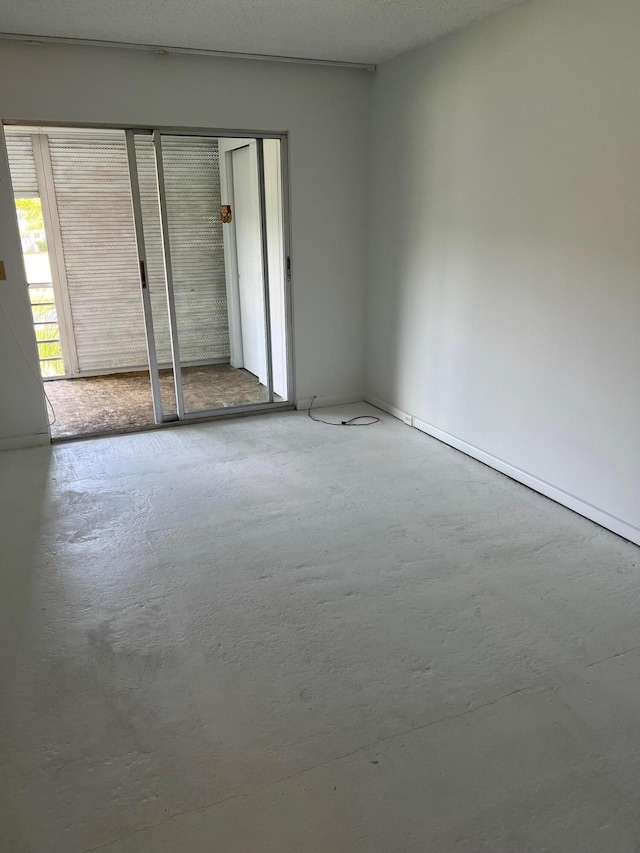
(369,420)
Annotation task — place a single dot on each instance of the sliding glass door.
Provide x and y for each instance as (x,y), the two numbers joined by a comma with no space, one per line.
(156,260)
(213,261)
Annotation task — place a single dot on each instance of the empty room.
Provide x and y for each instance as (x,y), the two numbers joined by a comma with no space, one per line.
(320,426)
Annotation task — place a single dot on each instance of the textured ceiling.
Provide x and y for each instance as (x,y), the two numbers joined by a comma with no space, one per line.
(366,31)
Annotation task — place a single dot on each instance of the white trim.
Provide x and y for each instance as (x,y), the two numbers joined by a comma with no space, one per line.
(593,513)
(289,325)
(38,439)
(190,51)
(46,185)
(277,265)
(339,400)
(262,206)
(392,410)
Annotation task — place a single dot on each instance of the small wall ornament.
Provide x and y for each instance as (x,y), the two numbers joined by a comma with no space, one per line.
(225,213)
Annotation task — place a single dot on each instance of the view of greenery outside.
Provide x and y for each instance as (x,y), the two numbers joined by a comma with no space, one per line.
(36,261)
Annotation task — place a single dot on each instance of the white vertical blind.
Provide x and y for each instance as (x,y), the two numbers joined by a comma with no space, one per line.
(91,181)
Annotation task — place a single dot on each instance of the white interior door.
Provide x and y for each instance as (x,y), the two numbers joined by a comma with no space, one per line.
(249,251)
(276,261)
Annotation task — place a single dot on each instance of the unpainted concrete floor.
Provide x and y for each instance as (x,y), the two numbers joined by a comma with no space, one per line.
(98,404)
(274,636)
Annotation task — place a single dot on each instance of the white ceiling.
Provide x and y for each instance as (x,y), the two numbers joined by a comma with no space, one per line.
(367,31)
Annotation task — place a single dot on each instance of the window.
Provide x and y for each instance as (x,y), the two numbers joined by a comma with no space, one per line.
(38,271)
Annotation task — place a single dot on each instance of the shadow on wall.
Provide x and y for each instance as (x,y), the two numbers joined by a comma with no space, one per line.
(411,245)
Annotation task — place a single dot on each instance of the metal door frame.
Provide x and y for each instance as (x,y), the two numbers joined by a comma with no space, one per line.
(152,356)
(283,137)
(259,137)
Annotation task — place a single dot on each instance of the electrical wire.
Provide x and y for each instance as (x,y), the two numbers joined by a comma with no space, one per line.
(35,375)
(370,420)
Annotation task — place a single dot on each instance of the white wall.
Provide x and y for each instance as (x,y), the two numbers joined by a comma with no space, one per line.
(324,109)
(23,416)
(504,308)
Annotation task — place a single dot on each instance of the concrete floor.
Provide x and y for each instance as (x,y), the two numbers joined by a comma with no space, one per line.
(121,400)
(274,636)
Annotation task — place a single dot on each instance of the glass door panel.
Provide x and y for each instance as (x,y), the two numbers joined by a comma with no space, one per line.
(155,270)
(194,233)
(210,232)
(190,167)
(217,277)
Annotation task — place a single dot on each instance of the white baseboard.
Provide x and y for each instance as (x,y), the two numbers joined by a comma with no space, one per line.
(15,442)
(320,402)
(593,513)
(392,410)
